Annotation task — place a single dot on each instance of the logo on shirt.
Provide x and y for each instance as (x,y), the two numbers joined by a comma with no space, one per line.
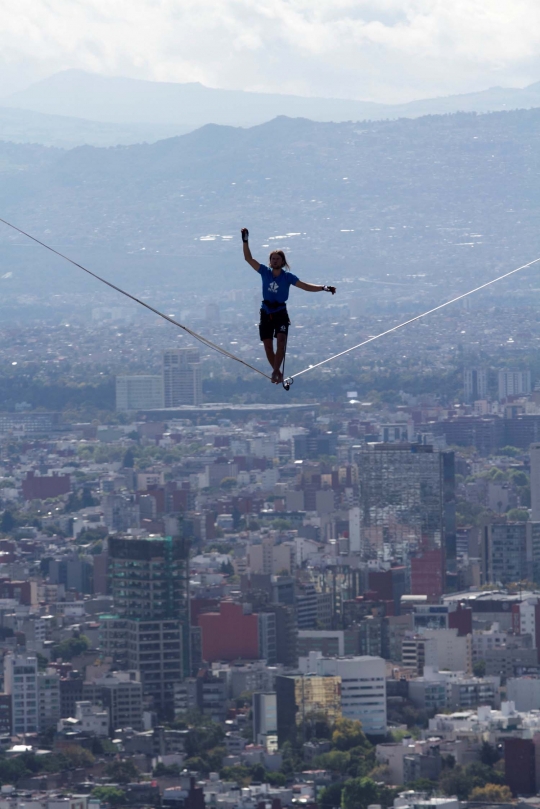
(273,287)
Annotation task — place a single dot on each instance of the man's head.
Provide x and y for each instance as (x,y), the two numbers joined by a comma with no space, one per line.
(277,260)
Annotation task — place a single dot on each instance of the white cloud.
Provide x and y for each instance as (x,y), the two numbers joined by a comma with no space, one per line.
(384,50)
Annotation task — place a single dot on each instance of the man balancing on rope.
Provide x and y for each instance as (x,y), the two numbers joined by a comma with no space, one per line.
(275,322)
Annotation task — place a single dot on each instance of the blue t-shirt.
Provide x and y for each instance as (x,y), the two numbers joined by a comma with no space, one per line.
(275,288)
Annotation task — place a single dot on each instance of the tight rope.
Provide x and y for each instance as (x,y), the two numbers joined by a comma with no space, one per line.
(194,334)
(413,319)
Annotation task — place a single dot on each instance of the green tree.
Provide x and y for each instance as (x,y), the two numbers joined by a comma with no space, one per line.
(518,477)
(479,668)
(7,523)
(204,737)
(358,793)
(239,774)
(517,515)
(348,733)
(276,779)
(337,761)
(128,461)
(330,796)
(462,780)
(510,452)
(489,754)
(122,772)
(77,757)
(491,793)
(457,782)
(114,796)
(71,647)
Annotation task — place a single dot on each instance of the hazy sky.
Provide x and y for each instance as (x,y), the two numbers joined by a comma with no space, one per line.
(381,50)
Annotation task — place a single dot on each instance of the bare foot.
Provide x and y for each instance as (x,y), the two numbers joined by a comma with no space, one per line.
(276,377)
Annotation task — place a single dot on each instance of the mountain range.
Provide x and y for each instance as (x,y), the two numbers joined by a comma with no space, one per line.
(74,107)
(421,207)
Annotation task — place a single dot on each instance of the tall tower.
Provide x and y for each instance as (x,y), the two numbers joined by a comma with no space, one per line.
(149,582)
(407,504)
(182,380)
(535,482)
(475,384)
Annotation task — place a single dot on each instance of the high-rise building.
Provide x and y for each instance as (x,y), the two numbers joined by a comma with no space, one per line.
(407,501)
(355,530)
(149,583)
(514,383)
(182,379)
(21,683)
(475,384)
(264,717)
(504,553)
(535,481)
(48,698)
(142,392)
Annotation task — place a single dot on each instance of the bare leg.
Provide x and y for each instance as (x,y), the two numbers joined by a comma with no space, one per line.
(269,348)
(280,353)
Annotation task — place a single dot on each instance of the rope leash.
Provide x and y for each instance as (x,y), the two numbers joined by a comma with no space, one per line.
(413,319)
(199,337)
(205,341)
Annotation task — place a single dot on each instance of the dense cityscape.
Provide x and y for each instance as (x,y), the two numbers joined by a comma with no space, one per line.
(217,593)
(237,603)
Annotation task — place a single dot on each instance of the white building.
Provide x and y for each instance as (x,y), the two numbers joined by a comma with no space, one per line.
(514,383)
(88,718)
(363,686)
(182,380)
(524,692)
(486,724)
(264,718)
(141,392)
(355,537)
(454,652)
(452,690)
(20,681)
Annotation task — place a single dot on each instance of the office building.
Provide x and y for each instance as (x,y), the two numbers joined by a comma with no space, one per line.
(182,380)
(407,501)
(418,651)
(355,530)
(21,683)
(475,384)
(49,706)
(149,582)
(264,718)
(121,693)
(363,686)
(535,482)
(141,392)
(233,633)
(504,553)
(514,383)
(302,698)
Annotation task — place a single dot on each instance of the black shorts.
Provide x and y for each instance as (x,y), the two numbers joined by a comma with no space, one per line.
(272,325)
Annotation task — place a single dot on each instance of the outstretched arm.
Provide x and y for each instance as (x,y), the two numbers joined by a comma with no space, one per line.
(315,287)
(247,252)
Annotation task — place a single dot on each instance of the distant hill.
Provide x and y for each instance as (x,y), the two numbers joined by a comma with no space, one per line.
(78,94)
(27,126)
(449,200)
